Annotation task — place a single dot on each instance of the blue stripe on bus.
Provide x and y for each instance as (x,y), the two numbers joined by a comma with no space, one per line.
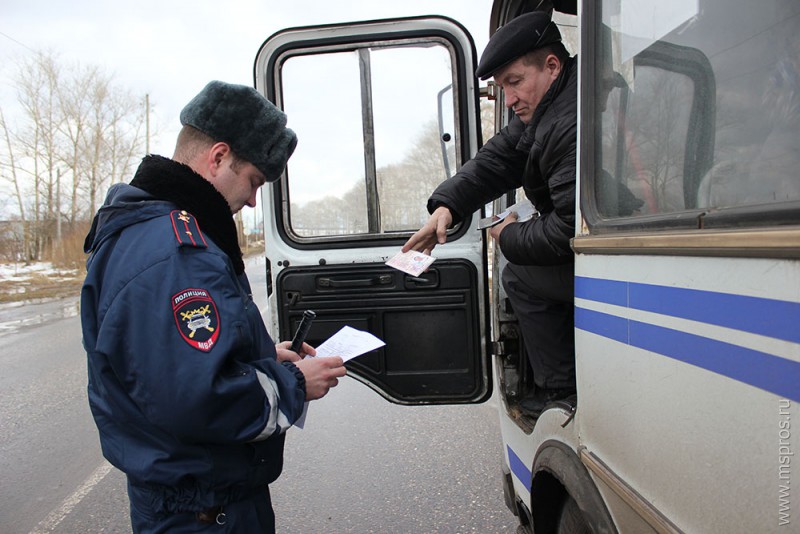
(609,291)
(519,469)
(765,371)
(777,319)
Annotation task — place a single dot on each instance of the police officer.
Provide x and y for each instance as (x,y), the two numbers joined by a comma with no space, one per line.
(536,151)
(190,395)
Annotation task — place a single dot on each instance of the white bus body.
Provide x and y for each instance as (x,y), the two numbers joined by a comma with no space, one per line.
(687,301)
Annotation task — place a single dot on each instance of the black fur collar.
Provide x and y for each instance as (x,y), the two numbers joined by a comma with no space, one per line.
(175,182)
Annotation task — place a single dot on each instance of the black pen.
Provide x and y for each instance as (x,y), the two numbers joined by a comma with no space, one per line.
(302,331)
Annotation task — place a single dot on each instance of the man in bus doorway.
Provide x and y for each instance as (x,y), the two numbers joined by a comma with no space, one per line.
(536,151)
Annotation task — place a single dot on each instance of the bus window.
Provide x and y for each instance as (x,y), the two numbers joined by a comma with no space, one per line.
(377,137)
(697,108)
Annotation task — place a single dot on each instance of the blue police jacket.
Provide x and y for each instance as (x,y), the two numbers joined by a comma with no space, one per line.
(184,385)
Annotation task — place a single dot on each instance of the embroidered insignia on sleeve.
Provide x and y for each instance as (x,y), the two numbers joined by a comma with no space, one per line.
(187,230)
(197,318)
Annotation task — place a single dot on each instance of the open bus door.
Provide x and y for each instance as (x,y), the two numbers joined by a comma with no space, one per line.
(375,138)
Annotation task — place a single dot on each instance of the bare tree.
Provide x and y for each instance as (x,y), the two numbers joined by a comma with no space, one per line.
(107,139)
(78,132)
(8,168)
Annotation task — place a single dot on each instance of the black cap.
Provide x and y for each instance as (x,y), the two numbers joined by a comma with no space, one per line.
(521,35)
(253,127)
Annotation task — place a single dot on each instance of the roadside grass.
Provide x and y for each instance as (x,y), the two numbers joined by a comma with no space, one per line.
(42,280)
(35,285)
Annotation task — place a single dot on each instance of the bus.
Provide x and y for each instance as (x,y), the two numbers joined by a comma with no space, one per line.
(687,299)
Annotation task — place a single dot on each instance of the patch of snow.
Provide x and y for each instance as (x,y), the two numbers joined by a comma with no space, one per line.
(22,271)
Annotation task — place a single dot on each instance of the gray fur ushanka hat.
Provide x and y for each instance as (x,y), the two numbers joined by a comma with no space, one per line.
(241,117)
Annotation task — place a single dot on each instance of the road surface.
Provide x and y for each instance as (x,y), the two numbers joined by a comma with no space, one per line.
(360,464)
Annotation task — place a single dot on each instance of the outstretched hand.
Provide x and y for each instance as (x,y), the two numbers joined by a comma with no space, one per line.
(432,233)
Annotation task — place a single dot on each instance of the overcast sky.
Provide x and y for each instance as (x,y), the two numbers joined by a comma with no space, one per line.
(170,49)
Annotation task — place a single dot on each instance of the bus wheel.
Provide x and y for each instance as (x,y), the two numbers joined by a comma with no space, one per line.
(572,520)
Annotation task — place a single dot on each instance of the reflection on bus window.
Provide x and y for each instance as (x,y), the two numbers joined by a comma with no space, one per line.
(744,91)
(375,138)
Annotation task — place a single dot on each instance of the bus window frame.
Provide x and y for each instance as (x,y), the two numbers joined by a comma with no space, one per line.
(274,91)
(765,216)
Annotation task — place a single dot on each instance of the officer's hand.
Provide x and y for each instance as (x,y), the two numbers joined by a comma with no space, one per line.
(286,355)
(434,231)
(494,231)
(321,374)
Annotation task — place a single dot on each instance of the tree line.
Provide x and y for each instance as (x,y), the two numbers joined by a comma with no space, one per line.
(75,132)
(71,133)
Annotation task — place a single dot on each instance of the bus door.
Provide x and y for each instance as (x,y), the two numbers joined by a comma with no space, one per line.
(384,112)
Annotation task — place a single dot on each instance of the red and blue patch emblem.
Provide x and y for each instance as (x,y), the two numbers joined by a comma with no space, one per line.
(197,318)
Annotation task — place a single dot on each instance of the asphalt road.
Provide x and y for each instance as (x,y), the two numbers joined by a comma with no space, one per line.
(360,464)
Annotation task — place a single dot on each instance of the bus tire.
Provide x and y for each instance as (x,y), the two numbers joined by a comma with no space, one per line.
(561,481)
(572,520)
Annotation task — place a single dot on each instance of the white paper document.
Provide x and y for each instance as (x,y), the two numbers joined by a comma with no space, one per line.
(524,210)
(346,343)
(349,343)
(411,262)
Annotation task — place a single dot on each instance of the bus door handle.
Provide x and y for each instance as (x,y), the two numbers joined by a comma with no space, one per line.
(383,279)
(428,279)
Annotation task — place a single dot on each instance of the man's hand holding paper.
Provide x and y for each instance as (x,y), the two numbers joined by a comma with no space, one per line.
(344,345)
(412,262)
(523,210)
(321,374)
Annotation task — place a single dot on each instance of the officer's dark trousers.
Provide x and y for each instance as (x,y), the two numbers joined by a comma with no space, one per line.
(253,515)
(542,299)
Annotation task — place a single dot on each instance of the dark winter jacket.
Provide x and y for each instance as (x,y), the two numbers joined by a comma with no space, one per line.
(540,157)
(189,399)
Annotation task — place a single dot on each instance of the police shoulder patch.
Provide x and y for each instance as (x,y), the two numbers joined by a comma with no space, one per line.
(187,231)
(197,318)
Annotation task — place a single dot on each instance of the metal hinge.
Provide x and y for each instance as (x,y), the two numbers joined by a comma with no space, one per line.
(490,91)
(498,348)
